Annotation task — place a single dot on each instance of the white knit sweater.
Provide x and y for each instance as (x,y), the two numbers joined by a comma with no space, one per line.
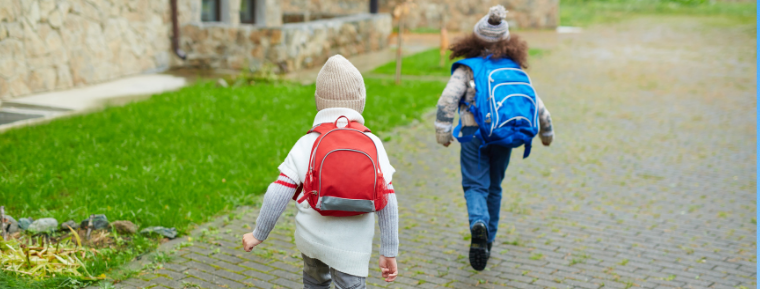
(343,243)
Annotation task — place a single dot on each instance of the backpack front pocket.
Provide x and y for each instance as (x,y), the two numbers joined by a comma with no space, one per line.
(347,181)
(513,105)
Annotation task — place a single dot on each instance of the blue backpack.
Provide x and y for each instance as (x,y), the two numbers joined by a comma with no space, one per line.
(505,108)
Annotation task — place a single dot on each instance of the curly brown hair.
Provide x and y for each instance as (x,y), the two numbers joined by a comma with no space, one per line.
(470,46)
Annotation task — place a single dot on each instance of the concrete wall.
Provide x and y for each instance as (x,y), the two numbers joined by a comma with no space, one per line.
(289,47)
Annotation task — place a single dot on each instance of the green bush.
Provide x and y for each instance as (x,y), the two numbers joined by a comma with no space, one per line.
(587,12)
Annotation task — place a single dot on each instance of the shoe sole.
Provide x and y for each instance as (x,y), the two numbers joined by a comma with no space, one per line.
(478,248)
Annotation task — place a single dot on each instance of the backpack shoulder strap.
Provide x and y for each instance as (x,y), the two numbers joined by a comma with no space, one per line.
(328,126)
(359,127)
(322,128)
(474,63)
(298,192)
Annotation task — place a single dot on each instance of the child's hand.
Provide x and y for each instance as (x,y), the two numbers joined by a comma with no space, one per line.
(547,140)
(444,139)
(249,241)
(388,268)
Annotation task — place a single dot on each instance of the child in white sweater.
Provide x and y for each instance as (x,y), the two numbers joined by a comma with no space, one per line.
(333,248)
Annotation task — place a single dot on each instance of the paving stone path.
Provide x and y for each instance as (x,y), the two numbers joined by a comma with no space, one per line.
(650,182)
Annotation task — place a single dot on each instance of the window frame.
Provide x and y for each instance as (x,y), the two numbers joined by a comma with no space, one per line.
(218,10)
(251,10)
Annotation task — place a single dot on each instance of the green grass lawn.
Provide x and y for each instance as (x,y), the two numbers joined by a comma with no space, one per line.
(428,63)
(179,158)
(588,12)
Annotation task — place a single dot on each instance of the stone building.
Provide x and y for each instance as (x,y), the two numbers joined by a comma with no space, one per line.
(50,45)
(459,15)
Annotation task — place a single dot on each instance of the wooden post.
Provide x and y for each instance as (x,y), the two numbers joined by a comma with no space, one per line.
(89,227)
(306,13)
(373,6)
(399,50)
(2,222)
(444,41)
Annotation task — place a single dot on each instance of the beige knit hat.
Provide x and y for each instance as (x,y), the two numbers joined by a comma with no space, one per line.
(340,84)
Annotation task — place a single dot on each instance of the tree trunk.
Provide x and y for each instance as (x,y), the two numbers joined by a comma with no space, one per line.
(444,39)
(399,51)
(2,222)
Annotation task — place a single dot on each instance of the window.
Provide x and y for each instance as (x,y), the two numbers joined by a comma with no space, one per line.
(211,11)
(248,11)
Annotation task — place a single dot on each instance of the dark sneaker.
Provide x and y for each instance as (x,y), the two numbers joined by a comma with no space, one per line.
(479,252)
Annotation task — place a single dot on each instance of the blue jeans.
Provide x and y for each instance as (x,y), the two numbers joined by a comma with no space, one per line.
(481,180)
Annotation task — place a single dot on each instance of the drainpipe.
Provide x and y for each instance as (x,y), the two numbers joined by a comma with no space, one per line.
(373,6)
(175,32)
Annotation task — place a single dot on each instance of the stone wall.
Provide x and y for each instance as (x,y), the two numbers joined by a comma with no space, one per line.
(48,45)
(460,15)
(289,47)
(58,44)
(326,6)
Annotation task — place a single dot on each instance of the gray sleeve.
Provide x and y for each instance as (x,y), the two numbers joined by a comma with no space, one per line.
(387,218)
(448,103)
(275,201)
(546,131)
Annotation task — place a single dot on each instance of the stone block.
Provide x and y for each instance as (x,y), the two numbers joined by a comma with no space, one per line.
(18,86)
(193,32)
(217,33)
(55,18)
(72,31)
(32,13)
(9,10)
(275,36)
(46,7)
(15,30)
(10,67)
(42,79)
(33,44)
(52,39)
(12,48)
(4,89)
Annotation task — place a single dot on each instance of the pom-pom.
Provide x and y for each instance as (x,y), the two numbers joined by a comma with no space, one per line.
(496,14)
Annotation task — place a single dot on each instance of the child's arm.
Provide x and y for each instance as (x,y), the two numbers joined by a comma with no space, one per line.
(448,104)
(546,132)
(388,221)
(275,201)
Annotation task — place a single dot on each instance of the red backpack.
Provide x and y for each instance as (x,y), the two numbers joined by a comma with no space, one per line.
(344,177)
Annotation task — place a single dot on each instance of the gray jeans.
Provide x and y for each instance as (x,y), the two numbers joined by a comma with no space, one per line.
(318,275)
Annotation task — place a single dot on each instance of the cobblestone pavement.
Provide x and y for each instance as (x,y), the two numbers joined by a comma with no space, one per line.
(650,182)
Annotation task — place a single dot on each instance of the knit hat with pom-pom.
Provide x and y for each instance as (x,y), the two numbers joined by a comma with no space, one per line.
(492,27)
(340,84)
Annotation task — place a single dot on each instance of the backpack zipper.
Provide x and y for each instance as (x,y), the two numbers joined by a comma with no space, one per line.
(311,166)
(535,116)
(321,165)
(514,118)
(490,79)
